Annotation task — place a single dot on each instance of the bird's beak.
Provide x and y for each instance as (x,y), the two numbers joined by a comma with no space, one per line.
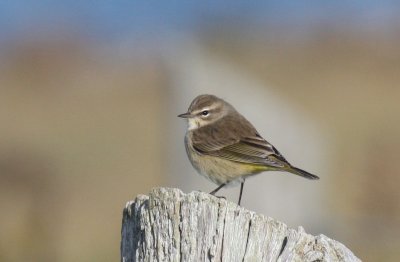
(185,115)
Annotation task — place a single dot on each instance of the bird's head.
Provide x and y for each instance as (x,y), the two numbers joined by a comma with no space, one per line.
(205,110)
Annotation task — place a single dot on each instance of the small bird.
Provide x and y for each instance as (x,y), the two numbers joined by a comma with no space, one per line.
(224,146)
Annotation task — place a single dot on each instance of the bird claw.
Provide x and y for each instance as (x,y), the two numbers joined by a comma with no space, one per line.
(220,197)
(212,194)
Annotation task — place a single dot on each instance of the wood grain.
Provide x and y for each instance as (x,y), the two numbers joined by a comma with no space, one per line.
(169,225)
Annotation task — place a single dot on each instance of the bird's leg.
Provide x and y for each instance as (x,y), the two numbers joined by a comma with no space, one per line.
(217,189)
(241,191)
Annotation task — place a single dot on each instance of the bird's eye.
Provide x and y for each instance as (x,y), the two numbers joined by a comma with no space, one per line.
(205,113)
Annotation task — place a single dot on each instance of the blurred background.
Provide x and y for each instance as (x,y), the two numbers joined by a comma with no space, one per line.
(90,90)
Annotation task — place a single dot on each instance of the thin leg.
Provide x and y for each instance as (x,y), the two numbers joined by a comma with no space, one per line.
(241,191)
(216,190)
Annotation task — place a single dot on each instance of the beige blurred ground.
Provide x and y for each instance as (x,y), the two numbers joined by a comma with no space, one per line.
(78,139)
(81,134)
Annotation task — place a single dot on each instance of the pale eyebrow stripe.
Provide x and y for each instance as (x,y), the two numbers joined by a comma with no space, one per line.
(210,108)
(203,109)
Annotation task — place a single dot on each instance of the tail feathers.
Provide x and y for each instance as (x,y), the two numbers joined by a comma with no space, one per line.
(300,172)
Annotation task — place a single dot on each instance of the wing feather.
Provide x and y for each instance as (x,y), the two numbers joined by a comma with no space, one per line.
(241,144)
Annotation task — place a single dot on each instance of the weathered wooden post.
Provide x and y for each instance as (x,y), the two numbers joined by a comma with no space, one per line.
(169,225)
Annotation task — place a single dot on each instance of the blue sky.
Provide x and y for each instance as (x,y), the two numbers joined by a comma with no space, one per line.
(113,19)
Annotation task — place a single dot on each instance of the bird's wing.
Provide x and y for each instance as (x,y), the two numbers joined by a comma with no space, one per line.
(253,151)
(250,150)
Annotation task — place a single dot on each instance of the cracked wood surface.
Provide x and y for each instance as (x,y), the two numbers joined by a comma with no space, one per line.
(169,225)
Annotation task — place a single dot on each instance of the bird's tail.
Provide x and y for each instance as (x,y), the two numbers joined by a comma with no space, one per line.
(300,172)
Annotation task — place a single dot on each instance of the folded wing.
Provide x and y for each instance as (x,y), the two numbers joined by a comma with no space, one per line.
(250,150)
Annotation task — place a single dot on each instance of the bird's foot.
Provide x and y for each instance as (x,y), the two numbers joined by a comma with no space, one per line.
(213,194)
(219,196)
